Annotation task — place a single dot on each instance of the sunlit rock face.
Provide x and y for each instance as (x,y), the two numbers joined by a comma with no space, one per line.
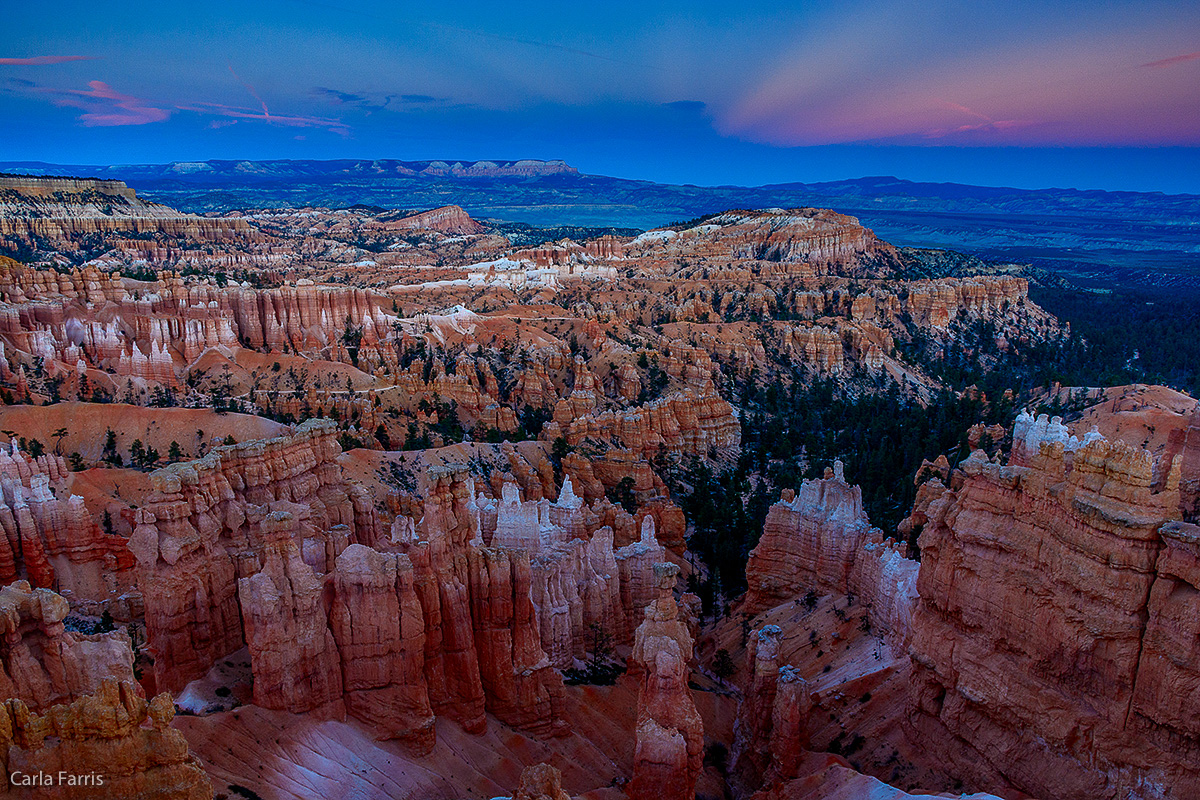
(114,734)
(1054,646)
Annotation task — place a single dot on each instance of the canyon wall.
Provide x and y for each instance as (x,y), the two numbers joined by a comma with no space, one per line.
(1055,644)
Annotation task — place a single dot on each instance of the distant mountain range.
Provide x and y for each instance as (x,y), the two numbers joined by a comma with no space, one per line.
(1145,230)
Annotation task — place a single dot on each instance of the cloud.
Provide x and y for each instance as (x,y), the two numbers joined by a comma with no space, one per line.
(1172,61)
(250,89)
(103,106)
(335,96)
(235,113)
(369,102)
(38,61)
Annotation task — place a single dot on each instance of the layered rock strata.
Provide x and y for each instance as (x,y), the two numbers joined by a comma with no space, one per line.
(1054,647)
(820,539)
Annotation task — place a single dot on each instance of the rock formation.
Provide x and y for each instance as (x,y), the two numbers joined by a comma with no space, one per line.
(63,210)
(806,235)
(1054,644)
(208,524)
(292,651)
(540,782)
(41,662)
(51,539)
(820,539)
(670,735)
(379,627)
(115,744)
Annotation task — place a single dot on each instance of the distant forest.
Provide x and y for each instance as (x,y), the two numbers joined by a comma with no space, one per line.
(1128,336)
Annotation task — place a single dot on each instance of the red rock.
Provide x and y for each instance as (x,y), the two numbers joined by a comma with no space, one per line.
(670,735)
(1053,604)
(42,663)
(293,653)
(540,782)
(821,539)
(379,628)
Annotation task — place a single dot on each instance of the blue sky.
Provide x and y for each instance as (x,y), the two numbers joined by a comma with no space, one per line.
(1084,94)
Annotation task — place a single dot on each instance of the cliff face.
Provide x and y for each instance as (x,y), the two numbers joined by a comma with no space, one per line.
(379,627)
(61,211)
(1054,644)
(820,539)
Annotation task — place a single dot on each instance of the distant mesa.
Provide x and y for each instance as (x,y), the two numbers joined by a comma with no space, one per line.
(218,169)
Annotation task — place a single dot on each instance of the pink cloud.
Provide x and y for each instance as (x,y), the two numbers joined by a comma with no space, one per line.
(1080,92)
(103,106)
(1168,62)
(38,61)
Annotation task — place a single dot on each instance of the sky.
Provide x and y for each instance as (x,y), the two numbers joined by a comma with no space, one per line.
(1034,94)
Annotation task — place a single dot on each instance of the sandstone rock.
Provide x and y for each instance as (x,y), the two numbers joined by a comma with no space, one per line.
(293,654)
(1040,642)
(670,736)
(540,782)
(113,734)
(42,663)
(820,539)
(378,625)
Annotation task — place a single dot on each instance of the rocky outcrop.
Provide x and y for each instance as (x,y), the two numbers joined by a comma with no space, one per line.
(670,734)
(820,539)
(687,422)
(110,744)
(540,782)
(41,662)
(208,524)
(446,219)
(295,660)
(379,627)
(770,733)
(52,541)
(1054,644)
